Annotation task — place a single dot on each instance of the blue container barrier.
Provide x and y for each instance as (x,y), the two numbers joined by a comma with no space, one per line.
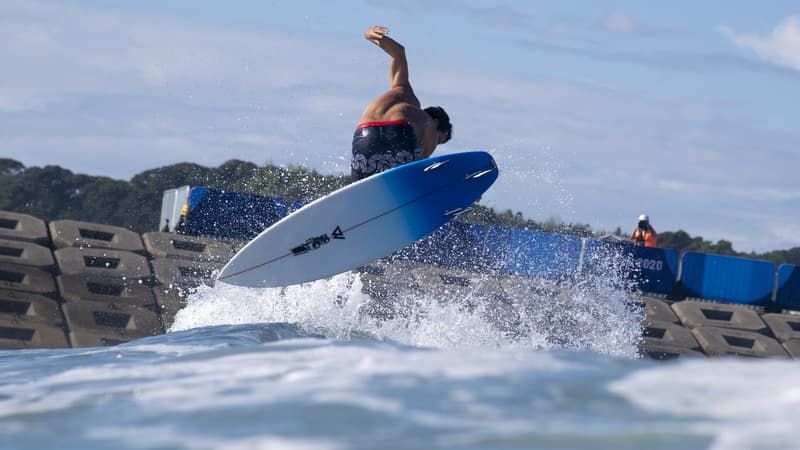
(656,268)
(788,293)
(543,255)
(455,244)
(497,250)
(597,253)
(653,270)
(231,214)
(297,204)
(727,278)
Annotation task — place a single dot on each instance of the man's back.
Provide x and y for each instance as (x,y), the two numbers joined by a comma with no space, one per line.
(394,127)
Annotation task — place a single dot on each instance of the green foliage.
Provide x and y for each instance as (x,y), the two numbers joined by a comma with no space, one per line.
(682,241)
(54,193)
(10,166)
(489,217)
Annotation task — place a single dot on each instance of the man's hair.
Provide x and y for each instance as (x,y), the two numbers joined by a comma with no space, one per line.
(438,113)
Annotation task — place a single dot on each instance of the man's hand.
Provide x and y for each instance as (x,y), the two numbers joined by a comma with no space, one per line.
(398,67)
(375,34)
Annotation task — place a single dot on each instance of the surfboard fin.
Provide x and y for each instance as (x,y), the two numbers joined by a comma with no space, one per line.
(436,165)
(455,212)
(478,174)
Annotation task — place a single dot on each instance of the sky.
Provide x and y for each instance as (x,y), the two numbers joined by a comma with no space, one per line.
(596,112)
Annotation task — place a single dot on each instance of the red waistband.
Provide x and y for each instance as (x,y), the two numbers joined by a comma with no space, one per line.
(380,124)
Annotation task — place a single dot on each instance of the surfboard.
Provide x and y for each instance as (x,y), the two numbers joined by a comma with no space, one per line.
(362,222)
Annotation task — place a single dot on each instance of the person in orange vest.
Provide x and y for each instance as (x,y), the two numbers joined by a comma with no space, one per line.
(644,234)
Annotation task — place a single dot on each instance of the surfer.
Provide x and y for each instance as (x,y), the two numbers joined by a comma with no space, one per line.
(394,128)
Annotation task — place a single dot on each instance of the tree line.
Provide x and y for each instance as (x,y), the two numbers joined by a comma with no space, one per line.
(54,193)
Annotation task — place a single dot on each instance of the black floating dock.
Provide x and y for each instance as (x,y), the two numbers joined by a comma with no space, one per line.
(68,283)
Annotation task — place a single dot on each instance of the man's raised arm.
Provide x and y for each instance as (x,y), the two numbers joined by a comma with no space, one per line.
(398,67)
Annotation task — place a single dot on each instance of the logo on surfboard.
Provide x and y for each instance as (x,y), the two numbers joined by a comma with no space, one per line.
(316,242)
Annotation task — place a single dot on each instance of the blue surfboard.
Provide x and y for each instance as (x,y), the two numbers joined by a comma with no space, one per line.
(363,221)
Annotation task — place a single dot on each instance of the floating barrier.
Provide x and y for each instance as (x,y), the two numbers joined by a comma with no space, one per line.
(517,287)
(26,253)
(668,334)
(717,341)
(532,253)
(661,352)
(169,302)
(34,319)
(171,245)
(99,288)
(184,274)
(381,282)
(784,327)
(497,248)
(23,227)
(18,305)
(787,295)
(658,310)
(511,251)
(72,233)
(598,256)
(455,244)
(18,333)
(543,255)
(443,283)
(113,321)
(792,348)
(231,214)
(387,300)
(297,204)
(108,263)
(727,278)
(655,269)
(501,311)
(467,289)
(26,278)
(694,314)
(80,337)
(172,205)
(392,288)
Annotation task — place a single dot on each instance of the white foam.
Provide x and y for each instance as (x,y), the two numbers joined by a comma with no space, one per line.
(743,403)
(170,436)
(331,303)
(592,312)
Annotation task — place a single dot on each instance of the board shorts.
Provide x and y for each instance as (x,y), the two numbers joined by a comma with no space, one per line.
(378,146)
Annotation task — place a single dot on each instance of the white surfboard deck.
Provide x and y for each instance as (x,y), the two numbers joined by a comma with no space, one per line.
(363,221)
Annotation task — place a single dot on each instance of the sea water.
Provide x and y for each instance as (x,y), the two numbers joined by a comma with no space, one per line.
(305,367)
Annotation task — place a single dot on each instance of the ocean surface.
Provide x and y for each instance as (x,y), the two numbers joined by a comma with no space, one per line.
(307,367)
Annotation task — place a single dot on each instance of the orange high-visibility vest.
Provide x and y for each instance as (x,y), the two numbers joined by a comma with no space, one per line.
(648,237)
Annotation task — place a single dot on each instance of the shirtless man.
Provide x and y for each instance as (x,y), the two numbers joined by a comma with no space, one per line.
(394,128)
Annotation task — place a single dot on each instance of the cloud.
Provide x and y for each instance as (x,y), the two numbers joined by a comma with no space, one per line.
(494,16)
(786,232)
(781,47)
(138,91)
(619,23)
(698,62)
